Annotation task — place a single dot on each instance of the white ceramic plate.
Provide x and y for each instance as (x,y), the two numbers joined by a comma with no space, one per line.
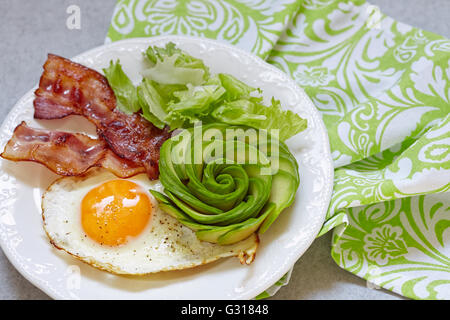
(63,277)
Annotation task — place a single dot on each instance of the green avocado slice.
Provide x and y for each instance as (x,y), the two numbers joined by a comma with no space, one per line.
(285,163)
(162,198)
(235,232)
(183,219)
(259,192)
(284,188)
(244,231)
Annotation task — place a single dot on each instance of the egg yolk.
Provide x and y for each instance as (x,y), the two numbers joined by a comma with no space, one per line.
(115,211)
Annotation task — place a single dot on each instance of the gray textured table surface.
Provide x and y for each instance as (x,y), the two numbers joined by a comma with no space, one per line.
(31,29)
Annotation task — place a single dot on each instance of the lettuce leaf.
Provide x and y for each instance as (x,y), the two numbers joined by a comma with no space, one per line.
(254,114)
(124,89)
(193,105)
(170,65)
(235,88)
(153,106)
(166,91)
(196,99)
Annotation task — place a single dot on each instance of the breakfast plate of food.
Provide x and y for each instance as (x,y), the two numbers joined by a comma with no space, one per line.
(161,168)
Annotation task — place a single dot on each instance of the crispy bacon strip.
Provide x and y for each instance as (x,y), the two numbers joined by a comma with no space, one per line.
(64,153)
(67,88)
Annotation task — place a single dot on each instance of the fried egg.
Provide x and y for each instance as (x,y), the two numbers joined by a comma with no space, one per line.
(115,225)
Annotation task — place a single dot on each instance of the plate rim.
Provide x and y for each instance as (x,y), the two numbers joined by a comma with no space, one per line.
(54,294)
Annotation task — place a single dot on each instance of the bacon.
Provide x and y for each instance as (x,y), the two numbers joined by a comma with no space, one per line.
(67,154)
(67,88)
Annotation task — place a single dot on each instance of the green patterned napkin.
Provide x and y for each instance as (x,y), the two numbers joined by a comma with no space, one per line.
(384,92)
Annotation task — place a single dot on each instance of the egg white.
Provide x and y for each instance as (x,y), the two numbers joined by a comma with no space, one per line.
(164,245)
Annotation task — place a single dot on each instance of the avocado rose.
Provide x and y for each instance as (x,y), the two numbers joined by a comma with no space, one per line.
(226,182)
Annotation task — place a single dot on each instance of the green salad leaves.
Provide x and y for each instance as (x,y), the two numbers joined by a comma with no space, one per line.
(178,90)
(124,90)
